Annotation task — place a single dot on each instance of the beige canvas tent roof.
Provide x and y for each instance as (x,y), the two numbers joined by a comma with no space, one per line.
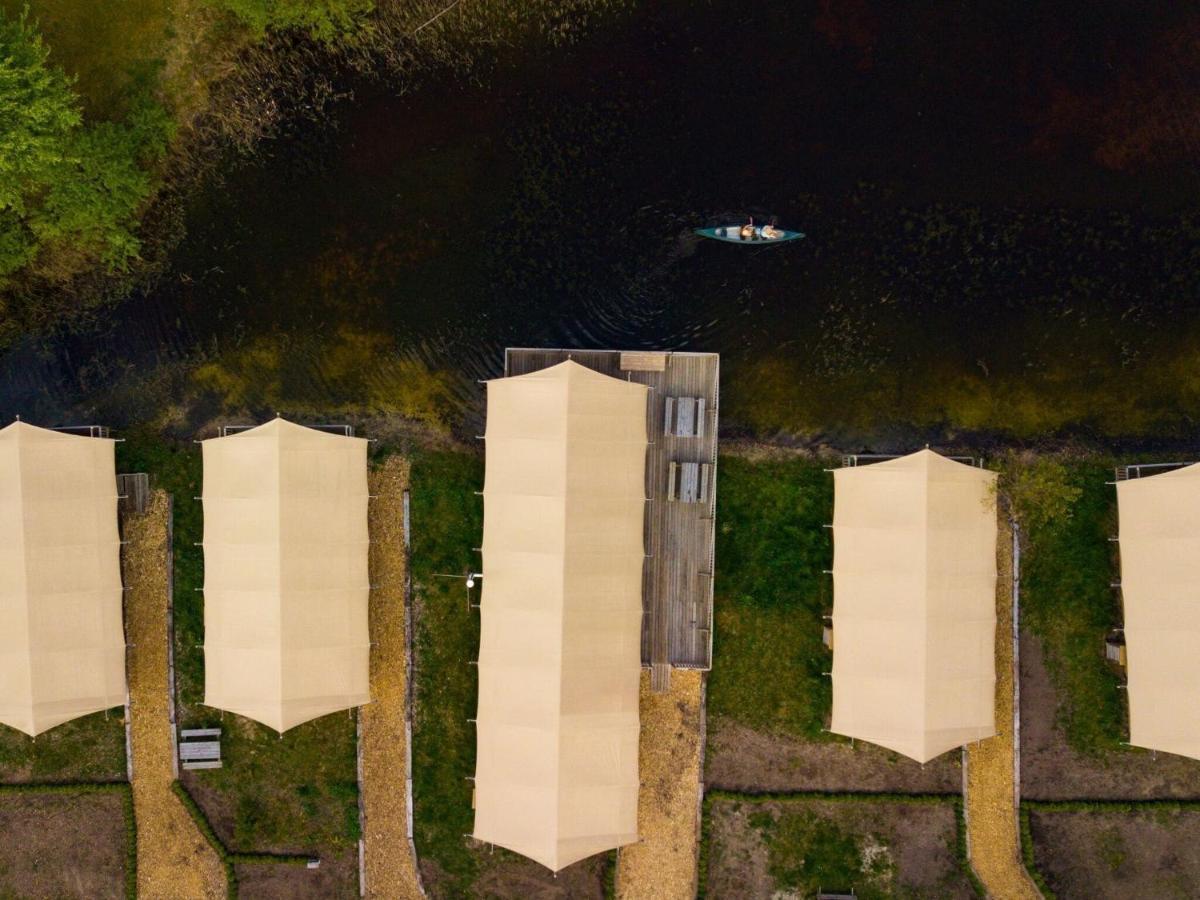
(556,776)
(914,593)
(1160,585)
(62,640)
(285,573)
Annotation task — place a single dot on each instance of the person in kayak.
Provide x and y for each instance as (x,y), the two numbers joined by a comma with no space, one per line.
(748,231)
(771,233)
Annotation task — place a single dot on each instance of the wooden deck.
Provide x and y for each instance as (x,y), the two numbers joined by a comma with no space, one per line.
(677,591)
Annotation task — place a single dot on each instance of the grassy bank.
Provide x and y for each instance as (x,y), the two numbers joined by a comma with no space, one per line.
(1067,601)
(772,548)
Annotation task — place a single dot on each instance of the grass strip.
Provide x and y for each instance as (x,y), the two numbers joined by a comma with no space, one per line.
(123,788)
(1068,602)
(446,525)
(771,591)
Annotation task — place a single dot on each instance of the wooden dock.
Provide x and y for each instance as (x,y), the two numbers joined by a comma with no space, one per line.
(680,531)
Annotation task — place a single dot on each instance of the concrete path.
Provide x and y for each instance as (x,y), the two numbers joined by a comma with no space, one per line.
(391,870)
(662,865)
(173,858)
(991,793)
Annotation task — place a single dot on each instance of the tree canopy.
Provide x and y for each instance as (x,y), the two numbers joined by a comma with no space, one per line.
(67,189)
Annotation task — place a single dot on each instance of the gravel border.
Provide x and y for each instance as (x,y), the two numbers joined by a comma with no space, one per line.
(990,799)
(389,863)
(173,858)
(663,863)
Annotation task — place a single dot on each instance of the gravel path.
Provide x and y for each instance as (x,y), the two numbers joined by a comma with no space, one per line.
(662,865)
(390,862)
(991,796)
(173,859)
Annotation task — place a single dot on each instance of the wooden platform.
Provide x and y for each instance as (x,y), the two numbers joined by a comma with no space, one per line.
(677,589)
(200,748)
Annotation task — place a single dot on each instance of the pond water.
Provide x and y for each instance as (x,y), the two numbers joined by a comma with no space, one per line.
(970,265)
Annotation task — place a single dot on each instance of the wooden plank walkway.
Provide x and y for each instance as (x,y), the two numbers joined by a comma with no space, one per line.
(677,589)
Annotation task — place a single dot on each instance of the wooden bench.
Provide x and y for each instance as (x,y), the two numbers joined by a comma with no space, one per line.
(684,417)
(195,752)
(688,482)
(1114,651)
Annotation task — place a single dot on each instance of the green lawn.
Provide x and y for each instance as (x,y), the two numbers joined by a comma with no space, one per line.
(771,592)
(91,748)
(446,525)
(295,793)
(1066,600)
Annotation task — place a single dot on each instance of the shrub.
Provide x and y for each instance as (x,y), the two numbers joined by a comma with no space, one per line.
(68,192)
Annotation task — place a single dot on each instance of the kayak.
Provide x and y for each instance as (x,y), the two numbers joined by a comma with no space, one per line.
(732,233)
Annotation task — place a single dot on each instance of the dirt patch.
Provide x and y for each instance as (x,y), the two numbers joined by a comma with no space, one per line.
(742,759)
(1051,770)
(174,859)
(662,864)
(1118,855)
(895,849)
(62,846)
(390,862)
(506,876)
(335,880)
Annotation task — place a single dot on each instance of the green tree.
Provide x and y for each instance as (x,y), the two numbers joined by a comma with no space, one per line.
(326,20)
(95,195)
(1042,491)
(68,192)
(38,111)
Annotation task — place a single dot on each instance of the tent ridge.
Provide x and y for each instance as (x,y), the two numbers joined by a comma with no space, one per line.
(25,571)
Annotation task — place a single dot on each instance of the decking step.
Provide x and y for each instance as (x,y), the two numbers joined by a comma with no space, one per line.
(660,678)
(643,362)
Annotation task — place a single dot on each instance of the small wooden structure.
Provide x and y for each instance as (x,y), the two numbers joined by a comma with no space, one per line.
(688,482)
(133,492)
(1114,649)
(200,748)
(644,361)
(684,417)
(827,635)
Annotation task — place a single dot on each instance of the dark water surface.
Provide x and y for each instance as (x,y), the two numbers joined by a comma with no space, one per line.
(1001,207)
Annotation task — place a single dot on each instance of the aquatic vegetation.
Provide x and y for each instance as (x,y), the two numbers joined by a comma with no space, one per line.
(348,372)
